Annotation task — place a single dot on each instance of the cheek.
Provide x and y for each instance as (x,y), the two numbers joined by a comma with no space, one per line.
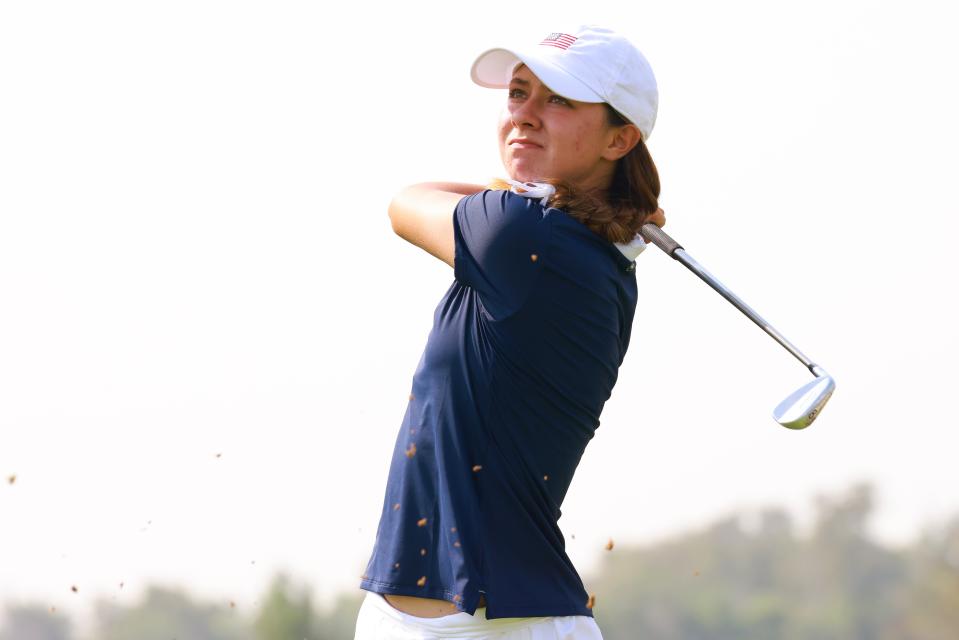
(582,137)
(504,120)
(502,132)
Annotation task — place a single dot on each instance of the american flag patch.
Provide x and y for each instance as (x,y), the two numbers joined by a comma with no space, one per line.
(559,40)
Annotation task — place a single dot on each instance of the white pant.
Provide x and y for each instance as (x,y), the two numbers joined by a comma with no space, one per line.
(379,620)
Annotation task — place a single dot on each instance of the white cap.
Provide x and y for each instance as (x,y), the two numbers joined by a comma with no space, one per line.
(589,64)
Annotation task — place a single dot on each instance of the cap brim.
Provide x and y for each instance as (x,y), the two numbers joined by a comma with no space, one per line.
(494,67)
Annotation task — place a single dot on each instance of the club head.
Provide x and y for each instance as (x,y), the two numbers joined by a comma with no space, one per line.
(800,409)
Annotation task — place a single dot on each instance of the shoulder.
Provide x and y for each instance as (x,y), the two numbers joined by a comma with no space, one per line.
(501,202)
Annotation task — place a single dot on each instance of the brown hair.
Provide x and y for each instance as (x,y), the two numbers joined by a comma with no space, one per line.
(616,214)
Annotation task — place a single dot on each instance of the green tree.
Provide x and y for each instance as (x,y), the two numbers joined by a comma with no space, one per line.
(166,614)
(34,622)
(930,606)
(339,623)
(851,584)
(732,581)
(286,613)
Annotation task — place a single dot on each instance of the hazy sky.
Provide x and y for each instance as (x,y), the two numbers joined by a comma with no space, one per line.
(208,329)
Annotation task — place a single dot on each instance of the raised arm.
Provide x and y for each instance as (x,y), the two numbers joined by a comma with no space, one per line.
(422,214)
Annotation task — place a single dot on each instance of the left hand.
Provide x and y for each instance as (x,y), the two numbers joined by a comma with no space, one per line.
(658,218)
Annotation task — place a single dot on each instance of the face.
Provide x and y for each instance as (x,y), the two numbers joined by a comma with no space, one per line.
(567,139)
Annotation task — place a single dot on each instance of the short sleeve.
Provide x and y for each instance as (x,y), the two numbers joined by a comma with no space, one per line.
(500,245)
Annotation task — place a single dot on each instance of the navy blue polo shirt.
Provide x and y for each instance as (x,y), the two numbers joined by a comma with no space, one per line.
(524,351)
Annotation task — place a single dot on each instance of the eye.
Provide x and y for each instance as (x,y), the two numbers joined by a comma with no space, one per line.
(512,94)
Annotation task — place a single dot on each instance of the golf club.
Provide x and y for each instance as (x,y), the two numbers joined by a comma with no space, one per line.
(803,405)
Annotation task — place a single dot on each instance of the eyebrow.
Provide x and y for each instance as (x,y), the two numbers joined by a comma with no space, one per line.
(527,83)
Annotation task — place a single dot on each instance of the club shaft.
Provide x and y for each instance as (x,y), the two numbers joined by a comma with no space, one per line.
(657,236)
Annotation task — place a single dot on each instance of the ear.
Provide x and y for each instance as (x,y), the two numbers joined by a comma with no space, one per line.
(622,140)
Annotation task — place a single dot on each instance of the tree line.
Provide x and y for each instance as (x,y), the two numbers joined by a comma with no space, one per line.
(744,576)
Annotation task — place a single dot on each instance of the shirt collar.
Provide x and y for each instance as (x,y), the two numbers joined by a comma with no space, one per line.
(544,191)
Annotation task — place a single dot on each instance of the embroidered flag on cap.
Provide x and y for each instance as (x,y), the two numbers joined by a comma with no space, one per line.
(559,40)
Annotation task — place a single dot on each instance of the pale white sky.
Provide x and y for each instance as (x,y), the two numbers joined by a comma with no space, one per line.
(195,259)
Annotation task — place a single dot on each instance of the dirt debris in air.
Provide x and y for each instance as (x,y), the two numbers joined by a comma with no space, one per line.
(411,451)
(422,552)
(421,522)
(591,602)
(12,478)
(74,589)
(421,582)
(609,545)
(477,467)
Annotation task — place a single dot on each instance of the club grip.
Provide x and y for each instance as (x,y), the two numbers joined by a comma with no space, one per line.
(652,233)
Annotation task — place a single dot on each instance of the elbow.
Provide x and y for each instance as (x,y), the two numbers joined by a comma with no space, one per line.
(399,212)
(393,212)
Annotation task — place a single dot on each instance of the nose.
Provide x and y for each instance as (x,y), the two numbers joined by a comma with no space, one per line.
(525,114)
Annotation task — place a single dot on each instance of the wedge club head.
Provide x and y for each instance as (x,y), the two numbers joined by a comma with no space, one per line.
(800,409)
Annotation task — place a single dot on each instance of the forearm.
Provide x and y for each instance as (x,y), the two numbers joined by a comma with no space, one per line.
(463,188)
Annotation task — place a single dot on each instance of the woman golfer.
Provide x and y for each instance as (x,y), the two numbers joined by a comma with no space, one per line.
(524,351)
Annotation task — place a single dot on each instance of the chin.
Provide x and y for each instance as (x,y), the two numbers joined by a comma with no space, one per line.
(524,175)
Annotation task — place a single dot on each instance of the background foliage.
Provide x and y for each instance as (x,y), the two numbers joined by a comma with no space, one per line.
(745,576)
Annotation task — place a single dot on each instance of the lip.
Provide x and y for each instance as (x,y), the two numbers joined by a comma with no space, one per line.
(524,143)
